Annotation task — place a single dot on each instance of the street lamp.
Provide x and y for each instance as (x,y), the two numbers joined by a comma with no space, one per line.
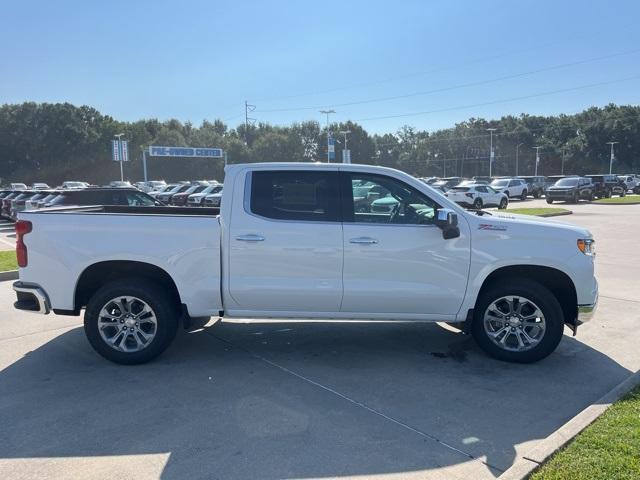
(612,155)
(344,152)
(119,137)
(327,113)
(517,148)
(491,154)
(537,159)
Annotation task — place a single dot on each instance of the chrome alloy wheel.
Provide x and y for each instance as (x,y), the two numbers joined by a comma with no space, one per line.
(514,323)
(127,324)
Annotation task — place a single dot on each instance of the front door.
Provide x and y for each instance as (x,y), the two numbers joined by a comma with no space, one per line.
(285,243)
(395,259)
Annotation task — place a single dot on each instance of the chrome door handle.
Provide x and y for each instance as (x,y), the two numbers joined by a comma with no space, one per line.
(250,238)
(364,240)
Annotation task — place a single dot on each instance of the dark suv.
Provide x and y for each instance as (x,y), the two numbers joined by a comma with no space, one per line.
(535,185)
(103,196)
(608,185)
(571,189)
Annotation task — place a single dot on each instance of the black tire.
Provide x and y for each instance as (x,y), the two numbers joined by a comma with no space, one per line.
(537,194)
(575,198)
(163,304)
(623,194)
(504,203)
(609,193)
(523,197)
(507,194)
(549,201)
(542,297)
(477,204)
(590,197)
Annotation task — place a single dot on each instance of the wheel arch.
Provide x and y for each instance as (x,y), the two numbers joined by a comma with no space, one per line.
(557,281)
(98,274)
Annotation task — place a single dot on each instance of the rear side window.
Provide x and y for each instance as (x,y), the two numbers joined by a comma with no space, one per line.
(295,195)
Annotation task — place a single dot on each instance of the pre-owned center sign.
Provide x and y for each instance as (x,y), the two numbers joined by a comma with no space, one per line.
(157,151)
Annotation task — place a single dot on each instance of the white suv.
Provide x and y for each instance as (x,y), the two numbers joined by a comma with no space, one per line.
(511,187)
(477,196)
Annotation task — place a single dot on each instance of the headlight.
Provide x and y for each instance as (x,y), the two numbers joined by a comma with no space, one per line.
(587,246)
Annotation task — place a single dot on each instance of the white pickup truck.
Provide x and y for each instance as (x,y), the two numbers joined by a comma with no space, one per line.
(296,240)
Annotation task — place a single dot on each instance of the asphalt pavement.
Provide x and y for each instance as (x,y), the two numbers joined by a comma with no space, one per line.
(272,400)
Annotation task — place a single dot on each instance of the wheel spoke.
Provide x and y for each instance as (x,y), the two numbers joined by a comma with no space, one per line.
(126,334)
(514,323)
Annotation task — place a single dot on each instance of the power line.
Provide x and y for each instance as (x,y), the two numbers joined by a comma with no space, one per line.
(454,87)
(495,102)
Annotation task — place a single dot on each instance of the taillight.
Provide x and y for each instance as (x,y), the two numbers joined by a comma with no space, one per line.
(22,228)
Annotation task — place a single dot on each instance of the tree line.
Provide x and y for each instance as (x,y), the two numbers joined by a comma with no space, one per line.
(56,142)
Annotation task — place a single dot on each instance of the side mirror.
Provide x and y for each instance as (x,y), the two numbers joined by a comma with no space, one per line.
(447,220)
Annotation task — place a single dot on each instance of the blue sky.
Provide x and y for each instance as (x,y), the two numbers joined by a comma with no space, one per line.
(193,60)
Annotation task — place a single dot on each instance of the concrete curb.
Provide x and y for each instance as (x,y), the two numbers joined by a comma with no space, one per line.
(557,214)
(10,275)
(531,460)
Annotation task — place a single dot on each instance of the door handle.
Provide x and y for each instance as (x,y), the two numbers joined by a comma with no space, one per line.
(250,238)
(364,240)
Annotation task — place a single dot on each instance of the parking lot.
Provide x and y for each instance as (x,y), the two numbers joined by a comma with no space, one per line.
(308,399)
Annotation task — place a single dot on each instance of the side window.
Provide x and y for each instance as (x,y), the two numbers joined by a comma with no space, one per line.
(295,195)
(481,189)
(137,200)
(382,199)
(513,183)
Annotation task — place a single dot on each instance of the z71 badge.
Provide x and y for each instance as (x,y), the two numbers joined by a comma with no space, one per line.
(488,226)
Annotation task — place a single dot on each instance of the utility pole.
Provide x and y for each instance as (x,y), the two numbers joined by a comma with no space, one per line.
(563,154)
(248,108)
(517,148)
(346,157)
(537,159)
(612,156)
(327,113)
(491,154)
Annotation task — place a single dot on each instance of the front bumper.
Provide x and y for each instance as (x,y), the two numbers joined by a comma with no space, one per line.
(31,298)
(587,311)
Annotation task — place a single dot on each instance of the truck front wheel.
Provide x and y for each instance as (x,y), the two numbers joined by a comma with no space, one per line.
(518,321)
(131,321)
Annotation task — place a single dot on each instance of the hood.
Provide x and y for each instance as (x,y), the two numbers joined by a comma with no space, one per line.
(561,187)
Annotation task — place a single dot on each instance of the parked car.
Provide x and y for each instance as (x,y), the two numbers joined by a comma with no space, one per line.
(18,186)
(18,203)
(481,180)
(213,199)
(104,196)
(197,199)
(120,184)
(604,186)
(511,187)
(150,186)
(41,200)
(73,185)
(295,247)
(6,203)
(571,189)
(164,189)
(536,185)
(445,184)
(631,181)
(40,186)
(180,199)
(478,196)
(165,196)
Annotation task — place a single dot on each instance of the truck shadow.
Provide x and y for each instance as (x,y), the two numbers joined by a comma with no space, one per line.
(303,399)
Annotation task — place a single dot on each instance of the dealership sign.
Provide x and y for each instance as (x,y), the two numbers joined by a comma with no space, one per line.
(156,151)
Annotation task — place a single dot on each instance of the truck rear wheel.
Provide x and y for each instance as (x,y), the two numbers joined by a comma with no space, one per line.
(131,321)
(518,321)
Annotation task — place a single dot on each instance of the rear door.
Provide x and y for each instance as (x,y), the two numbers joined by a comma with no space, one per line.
(397,262)
(285,243)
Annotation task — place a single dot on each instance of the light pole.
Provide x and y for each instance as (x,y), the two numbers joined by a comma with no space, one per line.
(327,113)
(491,154)
(517,148)
(119,137)
(537,159)
(563,154)
(612,156)
(344,152)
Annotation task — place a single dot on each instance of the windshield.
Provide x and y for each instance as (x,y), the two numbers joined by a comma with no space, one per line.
(500,183)
(567,182)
